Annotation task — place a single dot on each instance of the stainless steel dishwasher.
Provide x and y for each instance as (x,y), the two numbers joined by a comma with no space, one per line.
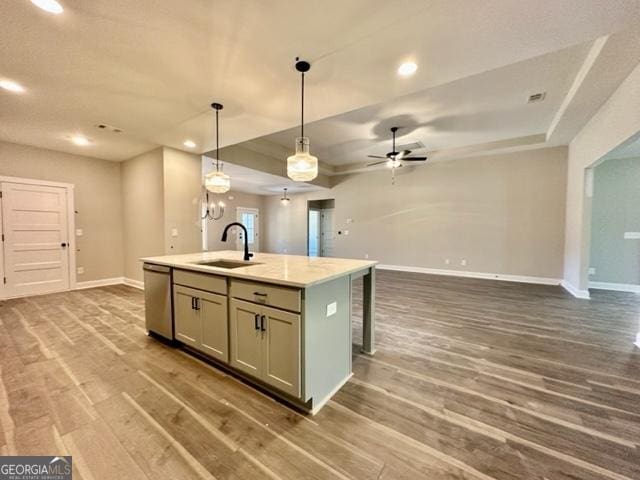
(157,300)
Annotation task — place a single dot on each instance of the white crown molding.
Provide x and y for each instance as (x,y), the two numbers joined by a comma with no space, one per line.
(133,283)
(618,287)
(103,282)
(583,294)
(483,275)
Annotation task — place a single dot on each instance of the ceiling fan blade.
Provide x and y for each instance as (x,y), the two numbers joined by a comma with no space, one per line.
(414,159)
(375,156)
(376,163)
(403,154)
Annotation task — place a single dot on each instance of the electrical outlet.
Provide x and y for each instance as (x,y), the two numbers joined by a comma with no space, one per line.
(79,232)
(332,308)
(284,250)
(463,262)
(346,232)
(80,270)
(174,232)
(366,256)
(592,271)
(632,235)
(447,261)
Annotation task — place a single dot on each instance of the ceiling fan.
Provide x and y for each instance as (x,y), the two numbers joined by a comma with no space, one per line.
(395,159)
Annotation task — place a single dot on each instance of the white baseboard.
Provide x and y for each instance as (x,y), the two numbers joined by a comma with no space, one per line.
(618,287)
(103,282)
(462,273)
(584,294)
(133,283)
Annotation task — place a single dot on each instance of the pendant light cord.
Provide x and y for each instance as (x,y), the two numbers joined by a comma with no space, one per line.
(217,144)
(302,109)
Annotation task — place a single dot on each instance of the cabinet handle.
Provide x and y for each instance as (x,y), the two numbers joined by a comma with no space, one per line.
(255,322)
(258,294)
(193,303)
(262,329)
(197,303)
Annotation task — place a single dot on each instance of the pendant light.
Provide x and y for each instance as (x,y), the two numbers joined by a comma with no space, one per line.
(302,167)
(285,200)
(217,181)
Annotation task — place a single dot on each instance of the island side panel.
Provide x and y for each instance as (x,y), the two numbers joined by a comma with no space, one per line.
(327,339)
(369,312)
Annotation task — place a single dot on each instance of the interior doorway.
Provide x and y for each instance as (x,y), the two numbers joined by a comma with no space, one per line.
(249,217)
(37,220)
(320,228)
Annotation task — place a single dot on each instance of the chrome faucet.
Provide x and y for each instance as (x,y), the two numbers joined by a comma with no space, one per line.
(247,255)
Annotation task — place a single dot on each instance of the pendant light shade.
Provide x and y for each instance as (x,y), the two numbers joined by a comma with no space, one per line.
(302,167)
(217,181)
(285,200)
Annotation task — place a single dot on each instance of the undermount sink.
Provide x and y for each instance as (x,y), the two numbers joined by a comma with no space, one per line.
(225,263)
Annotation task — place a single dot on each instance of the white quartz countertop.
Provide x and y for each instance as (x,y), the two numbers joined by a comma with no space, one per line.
(289,270)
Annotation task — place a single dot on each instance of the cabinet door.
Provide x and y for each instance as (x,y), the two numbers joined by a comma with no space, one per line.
(213,315)
(281,350)
(187,325)
(246,337)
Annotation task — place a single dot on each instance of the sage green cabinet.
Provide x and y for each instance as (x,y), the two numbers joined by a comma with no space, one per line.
(201,321)
(265,343)
(187,324)
(215,325)
(281,350)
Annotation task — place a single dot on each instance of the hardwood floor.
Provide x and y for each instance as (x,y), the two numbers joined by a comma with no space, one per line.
(473,379)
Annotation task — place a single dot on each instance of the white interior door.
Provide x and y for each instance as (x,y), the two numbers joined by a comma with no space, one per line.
(313,242)
(327,235)
(36,239)
(249,218)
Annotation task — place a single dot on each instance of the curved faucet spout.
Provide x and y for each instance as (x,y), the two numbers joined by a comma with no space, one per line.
(247,255)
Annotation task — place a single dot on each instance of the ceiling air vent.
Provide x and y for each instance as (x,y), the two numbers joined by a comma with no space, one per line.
(111,128)
(537,97)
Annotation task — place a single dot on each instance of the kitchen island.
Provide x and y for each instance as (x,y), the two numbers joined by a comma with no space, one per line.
(282,322)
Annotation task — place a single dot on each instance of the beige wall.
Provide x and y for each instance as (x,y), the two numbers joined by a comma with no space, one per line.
(616,121)
(143,210)
(232,201)
(97,196)
(503,214)
(182,188)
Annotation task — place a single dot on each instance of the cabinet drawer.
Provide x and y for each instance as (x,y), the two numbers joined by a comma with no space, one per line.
(267,294)
(201,281)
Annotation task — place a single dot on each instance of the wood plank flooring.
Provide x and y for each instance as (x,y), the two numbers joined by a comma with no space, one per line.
(473,379)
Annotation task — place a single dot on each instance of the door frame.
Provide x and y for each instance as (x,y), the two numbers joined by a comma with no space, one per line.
(71,224)
(256,227)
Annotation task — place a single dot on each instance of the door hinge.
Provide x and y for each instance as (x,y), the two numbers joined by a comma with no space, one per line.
(3,237)
(0,194)
(5,280)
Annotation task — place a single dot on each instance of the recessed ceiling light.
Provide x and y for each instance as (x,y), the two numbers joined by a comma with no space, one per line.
(407,68)
(50,6)
(80,140)
(189,144)
(11,86)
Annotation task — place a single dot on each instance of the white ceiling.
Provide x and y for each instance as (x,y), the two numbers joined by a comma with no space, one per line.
(152,67)
(482,108)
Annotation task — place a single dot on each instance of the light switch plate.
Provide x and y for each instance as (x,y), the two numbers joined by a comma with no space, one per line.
(592,270)
(332,308)
(174,232)
(79,232)
(80,270)
(632,235)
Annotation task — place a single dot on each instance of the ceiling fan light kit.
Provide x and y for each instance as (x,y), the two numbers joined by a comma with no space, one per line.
(302,166)
(217,181)
(395,159)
